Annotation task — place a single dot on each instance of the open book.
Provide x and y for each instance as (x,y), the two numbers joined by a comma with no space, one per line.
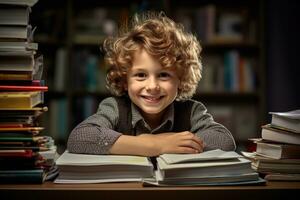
(207,168)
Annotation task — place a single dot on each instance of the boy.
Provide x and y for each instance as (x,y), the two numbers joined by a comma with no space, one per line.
(154,69)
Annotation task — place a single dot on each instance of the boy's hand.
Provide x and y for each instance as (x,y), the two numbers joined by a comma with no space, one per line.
(155,145)
(182,142)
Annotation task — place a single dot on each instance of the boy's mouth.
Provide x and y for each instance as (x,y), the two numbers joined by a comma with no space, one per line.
(152,99)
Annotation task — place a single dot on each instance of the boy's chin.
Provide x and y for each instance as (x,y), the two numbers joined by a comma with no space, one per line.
(152,111)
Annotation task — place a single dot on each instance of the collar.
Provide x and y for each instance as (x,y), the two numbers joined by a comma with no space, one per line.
(137,116)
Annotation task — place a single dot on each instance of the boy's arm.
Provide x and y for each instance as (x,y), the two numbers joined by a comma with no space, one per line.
(154,145)
(95,135)
(215,135)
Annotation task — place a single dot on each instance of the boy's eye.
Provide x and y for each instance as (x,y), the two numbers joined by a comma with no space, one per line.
(140,75)
(164,75)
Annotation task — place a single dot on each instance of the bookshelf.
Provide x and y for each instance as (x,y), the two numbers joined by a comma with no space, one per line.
(230,31)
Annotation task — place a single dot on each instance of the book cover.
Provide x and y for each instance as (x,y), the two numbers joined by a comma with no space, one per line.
(16,76)
(278,150)
(24,33)
(287,120)
(17,61)
(17,46)
(20,2)
(12,15)
(22,176)
(21,129)
(278,135)
(21,99)
(22,88)
(282,177)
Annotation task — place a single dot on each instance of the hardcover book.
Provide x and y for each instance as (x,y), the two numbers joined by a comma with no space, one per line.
(287,120)
(21,99)
(278,150)
(279,135)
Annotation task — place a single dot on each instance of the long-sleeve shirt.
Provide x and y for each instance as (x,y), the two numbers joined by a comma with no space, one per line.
(97,133)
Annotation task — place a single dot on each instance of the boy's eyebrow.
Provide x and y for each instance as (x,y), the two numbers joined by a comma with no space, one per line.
(137,69)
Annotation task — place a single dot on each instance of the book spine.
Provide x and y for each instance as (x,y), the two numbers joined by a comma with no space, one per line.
(21,176)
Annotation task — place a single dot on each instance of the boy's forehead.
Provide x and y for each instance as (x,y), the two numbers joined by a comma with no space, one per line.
(143,60)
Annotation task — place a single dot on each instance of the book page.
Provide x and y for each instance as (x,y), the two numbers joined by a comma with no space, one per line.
(216,154)
(294,114)
(89,160)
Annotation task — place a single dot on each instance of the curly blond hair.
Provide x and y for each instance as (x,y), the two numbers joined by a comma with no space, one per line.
(163,39)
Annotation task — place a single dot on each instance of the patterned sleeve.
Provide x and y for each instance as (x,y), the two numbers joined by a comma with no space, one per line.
(96,134)
(214,135)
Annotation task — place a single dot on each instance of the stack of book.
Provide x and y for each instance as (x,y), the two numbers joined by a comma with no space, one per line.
(83,168)
(277,153)
(214,167)
(25,155)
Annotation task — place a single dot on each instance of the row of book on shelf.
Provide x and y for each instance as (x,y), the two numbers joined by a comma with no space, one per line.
(25,154)
(231,72)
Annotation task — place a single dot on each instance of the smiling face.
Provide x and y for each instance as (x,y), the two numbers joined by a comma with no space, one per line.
(150,86)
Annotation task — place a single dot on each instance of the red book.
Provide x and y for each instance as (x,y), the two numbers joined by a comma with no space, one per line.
(17,153)
(22,88)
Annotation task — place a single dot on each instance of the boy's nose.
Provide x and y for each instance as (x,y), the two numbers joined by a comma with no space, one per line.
(152,84)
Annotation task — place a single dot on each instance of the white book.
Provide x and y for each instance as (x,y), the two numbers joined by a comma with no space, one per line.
(6,46)
(293,114)
(19,2)
(215,167)
(208,168)
(14,16)
(17,62)
(278,150)
(288,120)
(83,168)
(16,32)
(205,179)
(278,135)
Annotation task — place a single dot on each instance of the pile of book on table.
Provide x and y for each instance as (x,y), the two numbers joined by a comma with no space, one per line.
(215,167)
(277,154)
(25,155)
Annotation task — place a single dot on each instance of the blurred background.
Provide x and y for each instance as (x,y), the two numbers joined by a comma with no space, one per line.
(250,57)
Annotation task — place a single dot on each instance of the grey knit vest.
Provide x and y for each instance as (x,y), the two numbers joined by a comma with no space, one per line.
(182,113)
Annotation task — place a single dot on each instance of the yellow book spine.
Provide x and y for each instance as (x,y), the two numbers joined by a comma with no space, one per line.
(19,100)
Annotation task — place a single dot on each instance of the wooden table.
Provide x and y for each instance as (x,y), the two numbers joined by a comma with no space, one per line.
(130,191)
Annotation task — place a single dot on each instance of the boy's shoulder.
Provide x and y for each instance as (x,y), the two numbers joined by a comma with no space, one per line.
(188,102)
